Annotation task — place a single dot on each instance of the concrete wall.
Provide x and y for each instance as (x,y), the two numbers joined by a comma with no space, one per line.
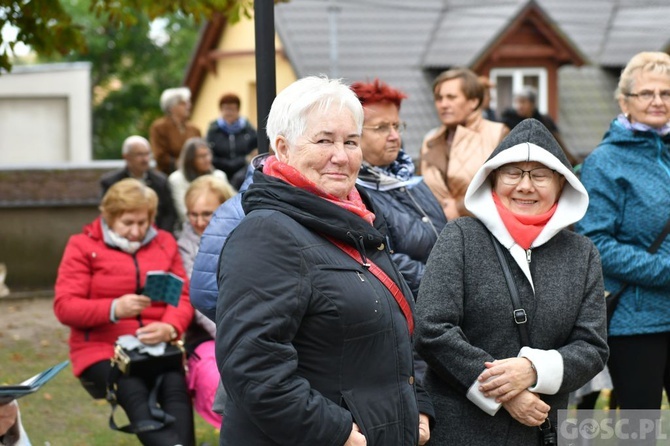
(40,208)
(32,240)
(45,114)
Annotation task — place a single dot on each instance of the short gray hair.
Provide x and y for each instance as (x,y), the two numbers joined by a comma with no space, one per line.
(173,96)
(646,61)
(133,140)
(290,109)
(527,92)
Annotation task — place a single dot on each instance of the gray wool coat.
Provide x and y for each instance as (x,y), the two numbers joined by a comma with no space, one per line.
(464,311)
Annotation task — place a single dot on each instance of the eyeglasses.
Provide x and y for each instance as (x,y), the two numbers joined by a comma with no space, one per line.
(648,95)
(385,129)
(206,216)
(540,177)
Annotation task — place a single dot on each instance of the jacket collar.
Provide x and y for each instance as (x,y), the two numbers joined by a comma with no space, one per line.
(313,212)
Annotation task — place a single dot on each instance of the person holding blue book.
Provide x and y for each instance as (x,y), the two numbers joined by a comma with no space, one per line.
(98,294)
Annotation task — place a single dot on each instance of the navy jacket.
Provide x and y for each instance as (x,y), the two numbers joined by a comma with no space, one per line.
(309,339)
(414,219)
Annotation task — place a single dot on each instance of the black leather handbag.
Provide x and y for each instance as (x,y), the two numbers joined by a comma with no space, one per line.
(135,363)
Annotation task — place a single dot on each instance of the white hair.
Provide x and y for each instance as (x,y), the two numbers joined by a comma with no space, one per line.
(133,140)
(290,109)
(173,96)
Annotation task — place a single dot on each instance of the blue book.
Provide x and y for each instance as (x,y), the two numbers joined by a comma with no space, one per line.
(31,385)
(164,287)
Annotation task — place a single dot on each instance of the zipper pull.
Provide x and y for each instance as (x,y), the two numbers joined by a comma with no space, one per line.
(360,276)
(528,252)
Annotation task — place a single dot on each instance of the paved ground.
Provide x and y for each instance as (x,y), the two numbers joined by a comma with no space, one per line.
(29,319)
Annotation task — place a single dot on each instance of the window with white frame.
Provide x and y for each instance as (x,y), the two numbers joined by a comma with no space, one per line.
(511,80)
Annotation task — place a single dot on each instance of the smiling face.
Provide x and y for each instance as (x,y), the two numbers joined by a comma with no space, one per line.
(328,153)
(380,148)
(452,106)
(525,198)
(654,113)
(132,225)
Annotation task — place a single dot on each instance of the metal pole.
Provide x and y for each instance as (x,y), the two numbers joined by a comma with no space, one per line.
(266,78)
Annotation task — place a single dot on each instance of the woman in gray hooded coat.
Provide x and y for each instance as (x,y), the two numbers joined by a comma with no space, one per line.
(487,386)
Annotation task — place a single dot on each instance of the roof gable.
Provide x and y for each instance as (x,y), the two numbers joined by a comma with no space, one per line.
(473,36)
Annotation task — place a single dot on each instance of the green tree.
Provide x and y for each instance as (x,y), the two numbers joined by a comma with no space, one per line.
(129,70)
(48,28)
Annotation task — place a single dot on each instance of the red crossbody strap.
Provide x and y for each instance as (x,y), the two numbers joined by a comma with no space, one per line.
(383,278)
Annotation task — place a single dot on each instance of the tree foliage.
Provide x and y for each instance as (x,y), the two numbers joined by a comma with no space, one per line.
(129,68)
(48,28)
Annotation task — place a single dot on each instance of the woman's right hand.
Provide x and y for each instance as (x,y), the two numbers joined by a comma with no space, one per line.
(355,437)
(527,408)
(130,305)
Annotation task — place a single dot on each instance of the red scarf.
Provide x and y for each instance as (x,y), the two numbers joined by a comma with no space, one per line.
(524,229)
(275,168)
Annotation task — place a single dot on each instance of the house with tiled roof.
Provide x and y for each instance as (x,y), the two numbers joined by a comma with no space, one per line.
(571,51)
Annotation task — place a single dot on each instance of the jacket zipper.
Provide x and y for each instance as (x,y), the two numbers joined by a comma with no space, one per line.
(528,253)
(425,215)
(137,285)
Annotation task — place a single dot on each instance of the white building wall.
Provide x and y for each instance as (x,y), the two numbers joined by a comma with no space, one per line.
(45,114)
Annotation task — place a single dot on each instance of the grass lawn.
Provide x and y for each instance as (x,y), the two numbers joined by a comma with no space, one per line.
(61,413)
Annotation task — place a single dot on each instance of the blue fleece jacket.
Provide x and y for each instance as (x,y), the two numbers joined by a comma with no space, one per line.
(628,181)
(204,288)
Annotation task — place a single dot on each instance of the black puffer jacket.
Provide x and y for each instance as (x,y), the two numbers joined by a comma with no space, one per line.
(308,339)
(229,151)
(414,219)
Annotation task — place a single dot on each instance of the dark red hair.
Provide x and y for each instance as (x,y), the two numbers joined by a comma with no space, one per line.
(377,91)
(229,98)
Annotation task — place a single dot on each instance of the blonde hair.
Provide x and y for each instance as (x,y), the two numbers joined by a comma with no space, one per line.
(128,195)
(646,61)
(208,183)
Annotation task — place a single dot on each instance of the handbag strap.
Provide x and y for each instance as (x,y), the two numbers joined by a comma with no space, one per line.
(547,431)
(519,314)
(613,299)
(383,278)
(160,417)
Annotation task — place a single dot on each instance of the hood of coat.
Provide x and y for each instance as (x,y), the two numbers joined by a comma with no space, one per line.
(643,141)
(528,141)
(313,212)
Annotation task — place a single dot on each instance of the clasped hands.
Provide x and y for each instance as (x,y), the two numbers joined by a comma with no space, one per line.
(508,380)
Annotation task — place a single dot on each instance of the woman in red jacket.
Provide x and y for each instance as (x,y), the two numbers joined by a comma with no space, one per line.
(99,296)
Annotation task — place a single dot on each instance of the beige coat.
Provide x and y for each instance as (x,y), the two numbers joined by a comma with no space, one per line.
(448,170)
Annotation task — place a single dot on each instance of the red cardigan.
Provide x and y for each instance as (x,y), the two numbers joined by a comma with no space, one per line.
(91,275)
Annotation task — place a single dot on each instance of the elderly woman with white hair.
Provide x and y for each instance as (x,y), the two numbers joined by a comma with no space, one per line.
(317,345)
(169,133)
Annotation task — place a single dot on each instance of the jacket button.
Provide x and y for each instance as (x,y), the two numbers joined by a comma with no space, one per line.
(380,247)
(411,380)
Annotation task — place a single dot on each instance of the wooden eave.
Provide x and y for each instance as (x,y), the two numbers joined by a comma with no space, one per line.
(202,62)
(556,45)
